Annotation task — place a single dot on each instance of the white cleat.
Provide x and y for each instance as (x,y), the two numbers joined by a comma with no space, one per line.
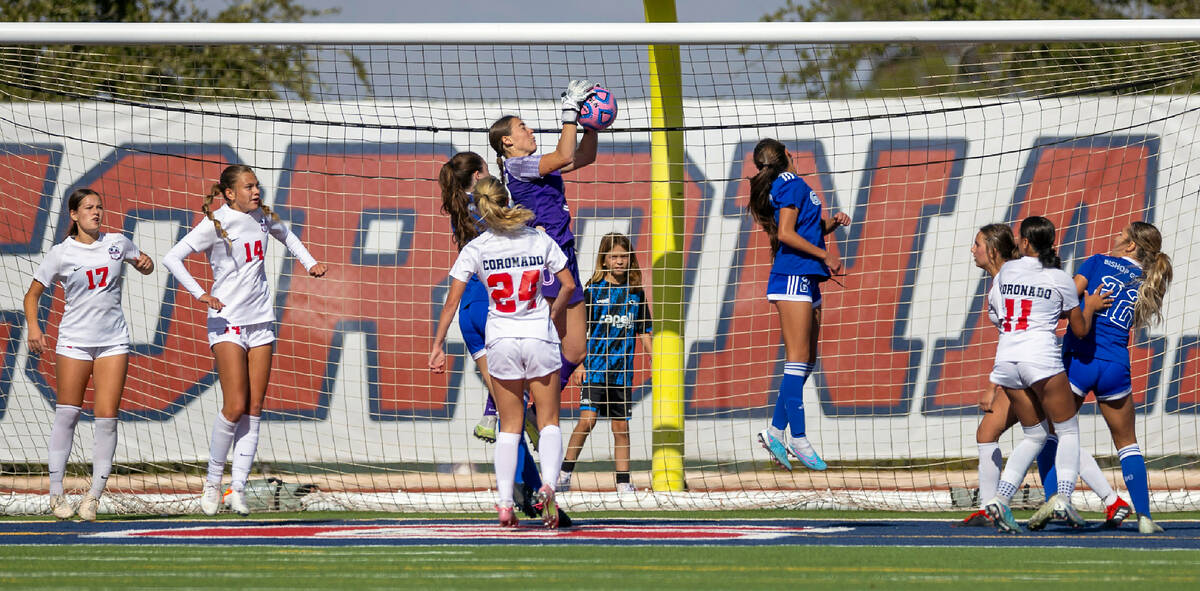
(236,500)
(1147,526)
(88,506)
(210,499)
(61,507)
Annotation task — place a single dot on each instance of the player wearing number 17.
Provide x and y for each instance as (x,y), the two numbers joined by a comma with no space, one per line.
(241,318)
(93,340)
(521,339)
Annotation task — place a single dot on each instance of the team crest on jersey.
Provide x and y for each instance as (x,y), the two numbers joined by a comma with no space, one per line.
(114,251)
(812,196)
(263,224)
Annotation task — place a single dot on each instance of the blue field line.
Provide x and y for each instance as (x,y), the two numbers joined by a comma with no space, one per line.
(1179,535)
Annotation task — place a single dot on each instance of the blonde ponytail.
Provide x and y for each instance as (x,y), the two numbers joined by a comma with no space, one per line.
(491,199)
(1157,273)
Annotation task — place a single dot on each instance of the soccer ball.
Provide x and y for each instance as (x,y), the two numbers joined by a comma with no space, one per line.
(600,110)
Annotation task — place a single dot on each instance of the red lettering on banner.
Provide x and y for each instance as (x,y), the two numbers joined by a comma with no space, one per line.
(1091,190)
(740,372)
(867,366)
(164,183)
(331,195)
(28,174)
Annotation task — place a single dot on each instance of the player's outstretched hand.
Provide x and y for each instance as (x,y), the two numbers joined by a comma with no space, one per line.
(437,360)
(578,91)
(144,264)
(318,270)
(1098,300)
(211,302)
(841,219)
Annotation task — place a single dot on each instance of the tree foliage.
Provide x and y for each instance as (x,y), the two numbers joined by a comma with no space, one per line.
(160,72)
(869,70)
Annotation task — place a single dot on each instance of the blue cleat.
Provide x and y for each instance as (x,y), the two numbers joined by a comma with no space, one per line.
(1002,517)
(778,450)
(807,457)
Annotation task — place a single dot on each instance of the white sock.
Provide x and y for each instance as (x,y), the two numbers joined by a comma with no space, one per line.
(802,445)
(1093,476)
(218,449)
(1066,461)
(990,462)
(776,433)
(62,433)
(550,451)
(245,446)
(505,460)
(1022,456)
(103,450)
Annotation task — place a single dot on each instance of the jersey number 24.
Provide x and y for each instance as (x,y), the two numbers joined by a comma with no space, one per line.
(501,289)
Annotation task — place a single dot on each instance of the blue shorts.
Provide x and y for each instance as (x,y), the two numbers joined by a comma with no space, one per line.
(794,288)
(551,285)
(1109,380)
(472,318)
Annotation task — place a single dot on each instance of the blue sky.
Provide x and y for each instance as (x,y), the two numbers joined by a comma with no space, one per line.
(433,11)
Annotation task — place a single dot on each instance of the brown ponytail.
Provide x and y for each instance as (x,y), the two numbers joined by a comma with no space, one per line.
(456,175)
(771,159)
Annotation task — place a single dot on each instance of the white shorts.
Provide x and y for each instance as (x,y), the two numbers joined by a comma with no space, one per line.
(522,358)
(91,353)
(246,337)
(1016,375)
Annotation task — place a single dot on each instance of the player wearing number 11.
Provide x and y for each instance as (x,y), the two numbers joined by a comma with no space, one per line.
(521,339)
(241,318)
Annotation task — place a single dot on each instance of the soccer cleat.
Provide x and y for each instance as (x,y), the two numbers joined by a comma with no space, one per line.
(87,507)
(1116,513)
(61,507)
(977,519)
(236,500)
(486,429)
(626,487)
(1002,517)
(210,499)
(508,517)
(1147,526)
(564,482)
(778,450)
(1064,511)
(807,457)
(1043,515)
(523,498)
(564,520)
(548,506)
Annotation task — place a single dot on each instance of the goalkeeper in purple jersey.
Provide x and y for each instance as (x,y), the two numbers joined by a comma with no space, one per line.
(535,182)
(1136,273)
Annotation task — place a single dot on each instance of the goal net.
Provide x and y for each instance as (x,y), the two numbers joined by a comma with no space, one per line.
(920,143)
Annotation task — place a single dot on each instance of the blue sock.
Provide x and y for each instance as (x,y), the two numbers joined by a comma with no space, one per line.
(1133,467)
(527,470)
(1045,465)
(791,392)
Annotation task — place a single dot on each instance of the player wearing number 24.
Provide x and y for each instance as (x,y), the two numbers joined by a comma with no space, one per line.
(93,340)
(241,318)
(521,339)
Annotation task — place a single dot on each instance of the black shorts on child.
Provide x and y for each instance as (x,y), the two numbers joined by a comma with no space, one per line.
(610,401)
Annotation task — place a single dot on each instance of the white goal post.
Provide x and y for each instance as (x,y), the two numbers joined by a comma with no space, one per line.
(1093,128)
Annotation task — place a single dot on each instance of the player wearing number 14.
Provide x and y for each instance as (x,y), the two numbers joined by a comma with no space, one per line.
(241,316)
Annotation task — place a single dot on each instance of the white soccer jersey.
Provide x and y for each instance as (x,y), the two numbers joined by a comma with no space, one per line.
(239,273)
(510,267)
(1025,303)
(91,275)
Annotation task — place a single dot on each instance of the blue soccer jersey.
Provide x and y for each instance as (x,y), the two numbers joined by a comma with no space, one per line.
(789,190)
(1109,338)
(616,315)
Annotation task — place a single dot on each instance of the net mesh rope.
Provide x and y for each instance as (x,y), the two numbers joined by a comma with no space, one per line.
(1092,137)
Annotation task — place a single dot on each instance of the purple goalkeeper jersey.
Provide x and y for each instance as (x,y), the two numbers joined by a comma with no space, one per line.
(543,194)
